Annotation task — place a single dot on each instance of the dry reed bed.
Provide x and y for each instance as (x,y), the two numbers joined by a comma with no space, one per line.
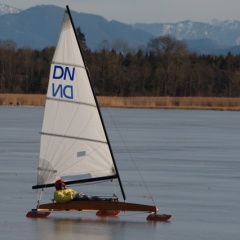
(22,99)
(210,103)
(230,104)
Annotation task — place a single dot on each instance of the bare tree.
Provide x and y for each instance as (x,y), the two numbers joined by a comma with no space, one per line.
(167,45)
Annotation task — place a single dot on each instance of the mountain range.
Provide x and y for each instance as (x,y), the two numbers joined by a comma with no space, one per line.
(38,27)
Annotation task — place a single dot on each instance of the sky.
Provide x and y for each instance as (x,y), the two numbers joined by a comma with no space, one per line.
(146,11)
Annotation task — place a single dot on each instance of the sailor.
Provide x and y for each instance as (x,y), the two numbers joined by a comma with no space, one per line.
(63,194)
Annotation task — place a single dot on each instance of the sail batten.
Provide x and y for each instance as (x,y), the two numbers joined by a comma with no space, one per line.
(77,138)
(47,170)
(72,102)
(64,64)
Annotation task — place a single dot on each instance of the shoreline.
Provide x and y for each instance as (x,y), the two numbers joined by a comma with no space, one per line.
(187,103)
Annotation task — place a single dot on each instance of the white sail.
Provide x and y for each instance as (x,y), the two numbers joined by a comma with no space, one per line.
(73,141)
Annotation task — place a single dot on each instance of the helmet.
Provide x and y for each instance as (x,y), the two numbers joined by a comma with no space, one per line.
(58,184)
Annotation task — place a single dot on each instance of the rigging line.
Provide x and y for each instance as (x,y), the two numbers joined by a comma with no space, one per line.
(134,163)
(39,196)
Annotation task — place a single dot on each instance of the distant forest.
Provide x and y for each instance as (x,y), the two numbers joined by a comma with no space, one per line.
(164,68)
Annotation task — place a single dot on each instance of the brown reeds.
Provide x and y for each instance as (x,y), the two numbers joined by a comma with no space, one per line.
(22,99)
(229,104)
(211,103)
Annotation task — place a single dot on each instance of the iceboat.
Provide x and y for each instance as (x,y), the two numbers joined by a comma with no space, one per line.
(74,142)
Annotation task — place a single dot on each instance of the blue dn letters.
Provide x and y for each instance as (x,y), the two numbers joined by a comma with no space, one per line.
(66,74)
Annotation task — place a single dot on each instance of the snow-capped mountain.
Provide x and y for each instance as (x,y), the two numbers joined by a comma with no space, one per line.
(217,37)
(5,9)
(223,33)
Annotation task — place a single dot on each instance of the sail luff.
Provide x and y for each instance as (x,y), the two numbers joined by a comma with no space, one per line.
(104,128)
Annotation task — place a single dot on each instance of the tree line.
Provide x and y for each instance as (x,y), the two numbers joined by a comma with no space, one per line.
(164,67)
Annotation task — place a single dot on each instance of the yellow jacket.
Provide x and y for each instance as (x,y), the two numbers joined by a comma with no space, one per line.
(64,195)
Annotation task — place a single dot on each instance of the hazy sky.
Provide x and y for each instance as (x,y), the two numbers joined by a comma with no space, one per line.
(147,11)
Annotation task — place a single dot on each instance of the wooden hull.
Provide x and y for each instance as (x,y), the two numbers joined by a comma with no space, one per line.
(96,205)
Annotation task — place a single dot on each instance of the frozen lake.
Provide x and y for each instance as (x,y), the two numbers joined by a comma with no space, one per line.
(189,161)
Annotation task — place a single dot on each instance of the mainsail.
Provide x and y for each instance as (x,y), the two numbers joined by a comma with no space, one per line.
(74,144)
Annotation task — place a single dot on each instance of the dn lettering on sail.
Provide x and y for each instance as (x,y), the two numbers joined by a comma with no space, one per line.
(63,88)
